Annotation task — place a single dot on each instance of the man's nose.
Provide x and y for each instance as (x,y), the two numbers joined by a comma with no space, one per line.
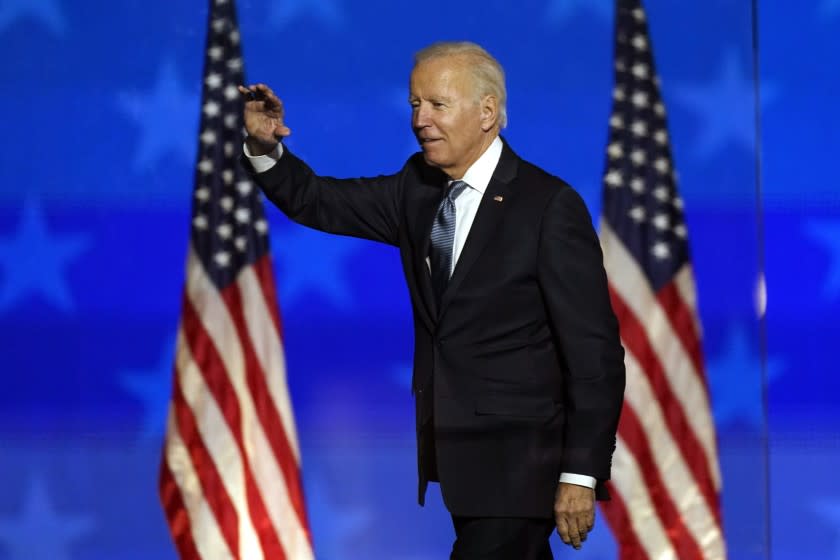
(420,117)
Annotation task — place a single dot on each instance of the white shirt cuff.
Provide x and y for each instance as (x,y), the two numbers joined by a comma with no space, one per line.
(578,479)
(264,162)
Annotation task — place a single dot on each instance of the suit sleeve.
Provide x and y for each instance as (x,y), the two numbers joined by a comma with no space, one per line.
(574,286)
(365,207)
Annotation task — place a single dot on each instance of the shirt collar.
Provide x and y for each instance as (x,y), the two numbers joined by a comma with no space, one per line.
(479,174)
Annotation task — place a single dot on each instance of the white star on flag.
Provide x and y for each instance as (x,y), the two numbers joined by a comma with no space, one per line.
(613,179)
(213,81)
(660,250)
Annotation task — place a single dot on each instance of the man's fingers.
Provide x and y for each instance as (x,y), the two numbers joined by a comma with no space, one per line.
(254,99)
(263,93)
(250,97)
(575,506)
(574,531)
(563,530)
(268,93)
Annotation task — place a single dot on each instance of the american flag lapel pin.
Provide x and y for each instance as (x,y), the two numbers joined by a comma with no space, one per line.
(498,198)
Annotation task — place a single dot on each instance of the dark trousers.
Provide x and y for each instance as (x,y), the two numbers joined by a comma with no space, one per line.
(501,538)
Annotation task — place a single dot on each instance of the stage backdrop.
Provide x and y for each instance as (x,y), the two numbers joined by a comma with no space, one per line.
(100,102)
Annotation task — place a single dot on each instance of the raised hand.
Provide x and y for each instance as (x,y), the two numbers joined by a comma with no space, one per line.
(263,117)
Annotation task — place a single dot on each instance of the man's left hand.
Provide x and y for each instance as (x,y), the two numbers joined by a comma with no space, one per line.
(574,512)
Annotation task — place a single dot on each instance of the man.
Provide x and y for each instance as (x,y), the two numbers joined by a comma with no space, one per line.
(518,368)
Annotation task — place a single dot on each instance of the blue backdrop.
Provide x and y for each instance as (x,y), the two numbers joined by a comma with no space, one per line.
(100,106)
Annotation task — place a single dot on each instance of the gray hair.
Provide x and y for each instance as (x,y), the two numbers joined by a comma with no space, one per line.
(488,75)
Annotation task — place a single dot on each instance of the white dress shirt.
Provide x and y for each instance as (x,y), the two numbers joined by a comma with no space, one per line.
(466,206)
(477,177)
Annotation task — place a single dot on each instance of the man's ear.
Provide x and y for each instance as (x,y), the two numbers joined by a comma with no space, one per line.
(489,112)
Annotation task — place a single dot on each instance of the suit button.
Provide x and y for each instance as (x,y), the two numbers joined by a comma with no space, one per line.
(441,341)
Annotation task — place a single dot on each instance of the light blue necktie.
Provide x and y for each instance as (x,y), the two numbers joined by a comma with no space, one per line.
(443,239)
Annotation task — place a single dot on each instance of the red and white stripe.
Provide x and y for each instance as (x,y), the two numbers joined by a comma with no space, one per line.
(666,475)
(230,479)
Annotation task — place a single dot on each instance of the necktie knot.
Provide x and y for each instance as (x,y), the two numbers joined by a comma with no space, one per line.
(455,189)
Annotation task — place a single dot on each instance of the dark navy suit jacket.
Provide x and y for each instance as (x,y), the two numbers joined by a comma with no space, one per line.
(519,372)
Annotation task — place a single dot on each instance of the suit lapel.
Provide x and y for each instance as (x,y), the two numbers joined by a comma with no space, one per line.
(423,207)
(490,212)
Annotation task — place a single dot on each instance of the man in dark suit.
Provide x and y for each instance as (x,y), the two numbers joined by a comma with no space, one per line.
(518,368)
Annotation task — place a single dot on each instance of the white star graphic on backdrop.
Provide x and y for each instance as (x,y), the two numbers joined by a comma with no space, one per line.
(34,261)
(829,9)
(725,107)
(312,263)
(39,532)
(47,12)
(829,511)
(561,11)
(827,234)
(332,523)
(165,125)
(284,12)
(735,380)
(152,387)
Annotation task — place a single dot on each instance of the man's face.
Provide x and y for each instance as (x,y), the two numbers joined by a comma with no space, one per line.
(446,114)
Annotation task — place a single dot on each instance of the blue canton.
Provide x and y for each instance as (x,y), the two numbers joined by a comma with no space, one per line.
(641,203)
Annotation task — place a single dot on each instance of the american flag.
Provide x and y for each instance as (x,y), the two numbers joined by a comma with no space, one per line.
(666,478)
(230,480)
